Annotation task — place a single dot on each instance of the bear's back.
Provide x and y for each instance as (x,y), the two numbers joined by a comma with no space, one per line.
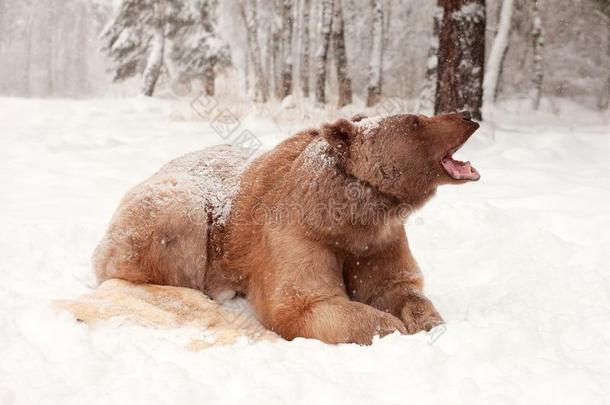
(161,231)
(212,175)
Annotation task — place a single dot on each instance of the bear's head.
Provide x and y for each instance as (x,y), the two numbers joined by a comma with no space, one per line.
(404,156)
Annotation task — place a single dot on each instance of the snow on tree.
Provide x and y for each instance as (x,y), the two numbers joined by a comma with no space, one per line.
(51,47)
(305,48)
(135,40)
(247,9)
(326,17)
(538,40)
(127,37)
(197,49)
(461,57)
(497,54)
(286,41)
(376,64)
(150,36)
(428,90)
(338,39)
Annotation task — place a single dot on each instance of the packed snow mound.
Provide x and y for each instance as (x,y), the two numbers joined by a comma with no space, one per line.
(288,103)
(166,307)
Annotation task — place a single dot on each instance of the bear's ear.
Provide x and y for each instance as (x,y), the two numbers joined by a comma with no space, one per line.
(358,117)
(339,134)
(414,122)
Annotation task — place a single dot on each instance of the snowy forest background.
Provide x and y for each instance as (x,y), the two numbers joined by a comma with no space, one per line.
(332,51)
(516,263)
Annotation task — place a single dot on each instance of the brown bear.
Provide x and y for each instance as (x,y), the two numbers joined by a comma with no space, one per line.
(311,233)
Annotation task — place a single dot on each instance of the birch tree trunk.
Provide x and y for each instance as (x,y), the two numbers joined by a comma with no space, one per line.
(428,91)
(322,56)
(82,60)
(276,50)
(461,57)
(604,96)
(376,65)
(538,39)
(154,63)
(267,56)
(247,74)
(286,37)
(604,99)
(50,49)
(28,53)
(338,36)
(305,63)
(497,54)
(3,28)
(207,14)
(250,20)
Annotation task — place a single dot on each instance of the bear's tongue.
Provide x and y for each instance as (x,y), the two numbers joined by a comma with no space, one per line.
(459,170)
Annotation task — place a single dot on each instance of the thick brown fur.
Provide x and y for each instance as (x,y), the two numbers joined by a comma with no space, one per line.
(315,237)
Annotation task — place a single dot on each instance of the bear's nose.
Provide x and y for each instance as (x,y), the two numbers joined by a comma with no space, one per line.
(466,115)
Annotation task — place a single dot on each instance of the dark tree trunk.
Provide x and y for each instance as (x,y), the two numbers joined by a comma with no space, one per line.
(247,74)
(275,58)
(267,56)
(461,57)
(376,66)
(28,54)
(276,51)
(338,36)
(249,16)
(50,54)
(326,24)
(538,40)
(428,90)
(209,70)
(209,78)
(305,63)
(286,35)
(604,96)
(82,61)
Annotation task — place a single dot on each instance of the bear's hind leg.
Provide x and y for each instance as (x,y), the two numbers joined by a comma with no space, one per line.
(156,241)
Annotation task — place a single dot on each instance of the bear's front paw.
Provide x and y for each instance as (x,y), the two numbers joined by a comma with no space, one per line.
(387,324)
(419,314)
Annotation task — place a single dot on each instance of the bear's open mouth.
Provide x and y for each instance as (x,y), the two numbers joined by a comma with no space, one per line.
(457,169)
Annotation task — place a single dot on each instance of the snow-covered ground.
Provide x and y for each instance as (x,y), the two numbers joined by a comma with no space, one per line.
(518,265)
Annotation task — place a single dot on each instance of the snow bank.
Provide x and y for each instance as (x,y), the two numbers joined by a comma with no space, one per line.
(517,264)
